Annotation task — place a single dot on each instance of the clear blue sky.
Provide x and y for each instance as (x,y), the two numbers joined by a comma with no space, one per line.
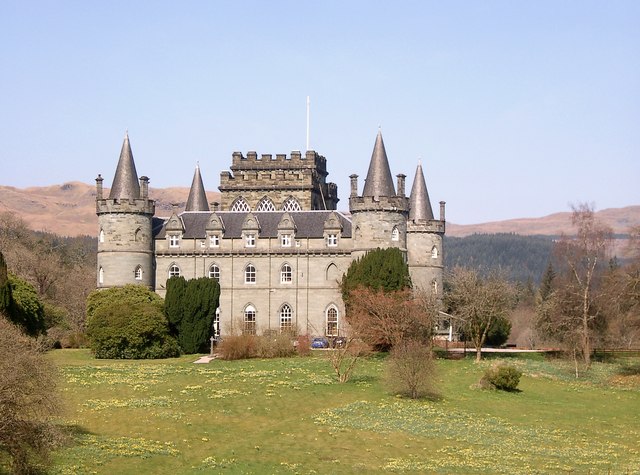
(517,108)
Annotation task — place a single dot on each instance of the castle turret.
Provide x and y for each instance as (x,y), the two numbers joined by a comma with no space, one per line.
(379,216)
(425,254)
(197,200)
(125,236)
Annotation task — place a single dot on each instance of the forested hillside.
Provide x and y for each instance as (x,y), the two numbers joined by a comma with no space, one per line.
(522,258)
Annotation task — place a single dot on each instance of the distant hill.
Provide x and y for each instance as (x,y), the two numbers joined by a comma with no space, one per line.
(69,210)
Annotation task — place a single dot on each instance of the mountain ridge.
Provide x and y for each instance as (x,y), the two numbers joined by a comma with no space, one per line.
(69,210)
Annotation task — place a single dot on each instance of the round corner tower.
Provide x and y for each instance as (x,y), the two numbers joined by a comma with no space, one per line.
(125,227)
(379,216)
(425,252)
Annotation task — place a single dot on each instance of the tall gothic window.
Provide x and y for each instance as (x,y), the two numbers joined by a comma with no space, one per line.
(240,205)
(249,327)
(332,321)
(265,205)
(291,204)
(395,234)
(101,235)
(101,275)
(286,318)
(138,273)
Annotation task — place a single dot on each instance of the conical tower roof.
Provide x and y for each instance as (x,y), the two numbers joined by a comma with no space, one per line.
(197,200)
(379,181)
(420,206)
(125,183)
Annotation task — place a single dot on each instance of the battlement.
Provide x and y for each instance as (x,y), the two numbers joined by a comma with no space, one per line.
(133,206)
(296,160)
(429,226)
(383,203)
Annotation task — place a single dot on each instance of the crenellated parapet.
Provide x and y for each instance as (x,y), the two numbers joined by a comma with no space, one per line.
(428,226)
(399,204)
(296,160)
(135,206)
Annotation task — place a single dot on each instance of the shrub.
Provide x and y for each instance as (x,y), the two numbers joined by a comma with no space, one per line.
(410,371)
(303,345)
(501,376)
(131,331)
(277,346)
(238,347)
(629,369)
(28,399)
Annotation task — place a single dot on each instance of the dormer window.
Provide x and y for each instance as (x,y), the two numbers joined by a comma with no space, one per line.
(250,240)
(214,240)
(174,240)
(395,234)
(332,240)
(285,240)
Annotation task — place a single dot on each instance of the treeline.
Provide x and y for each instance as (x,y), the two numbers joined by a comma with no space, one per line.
(522,258)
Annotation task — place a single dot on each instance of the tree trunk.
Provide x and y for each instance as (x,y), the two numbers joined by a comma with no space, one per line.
(586,341)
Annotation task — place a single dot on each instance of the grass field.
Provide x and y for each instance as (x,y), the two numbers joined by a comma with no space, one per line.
(290,416)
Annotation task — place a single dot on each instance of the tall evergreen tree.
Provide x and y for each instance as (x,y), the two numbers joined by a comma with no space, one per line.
(173,302)
(546,285)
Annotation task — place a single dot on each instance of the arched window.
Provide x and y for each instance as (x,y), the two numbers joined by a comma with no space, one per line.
(138,273)
(286,318)
(395,234)
(332,321)
(332,272)
(249,324)
(174,271)
(265,204)
(434,252)
(101,275)
(101,236)
(434,285)
(137,236)
(291,204)
(214,272)
(250,274)
(240,205)
(216,324)
(286,274)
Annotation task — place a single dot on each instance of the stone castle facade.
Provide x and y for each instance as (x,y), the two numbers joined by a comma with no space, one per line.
(275,242)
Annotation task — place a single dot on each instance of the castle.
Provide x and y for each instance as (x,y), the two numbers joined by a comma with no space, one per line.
(275,242)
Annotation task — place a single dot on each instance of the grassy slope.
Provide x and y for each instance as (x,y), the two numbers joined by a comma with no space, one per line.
(288,416)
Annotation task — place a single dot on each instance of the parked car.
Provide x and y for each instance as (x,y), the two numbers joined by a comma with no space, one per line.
(320,342)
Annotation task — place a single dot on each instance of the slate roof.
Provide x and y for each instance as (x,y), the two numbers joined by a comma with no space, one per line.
(379,181)
(308,224)
(125,182)
(197,200)
(420,206)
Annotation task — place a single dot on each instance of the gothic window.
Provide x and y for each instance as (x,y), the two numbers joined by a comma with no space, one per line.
(332,321)
(286,274)
(434,285)
(101,235)
(265,205)
(174,271)
(214,272)
(138,273)
(250,240)
(332,273)
(332,240)
(434,252)
(250,274)
(285,240)
(395,234)
(216,324)
(174,240)
(240,205)
(291,204)
(137,236)
(214,240)
(249,327)
(101,275)
(286,318)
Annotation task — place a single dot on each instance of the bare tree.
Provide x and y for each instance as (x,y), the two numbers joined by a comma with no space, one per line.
(344,359)
(479,302)
(580,258)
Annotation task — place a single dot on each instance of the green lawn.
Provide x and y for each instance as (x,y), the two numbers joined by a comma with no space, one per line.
(290,416)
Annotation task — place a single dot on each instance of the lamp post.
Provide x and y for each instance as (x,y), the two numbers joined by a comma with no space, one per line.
(212,339)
